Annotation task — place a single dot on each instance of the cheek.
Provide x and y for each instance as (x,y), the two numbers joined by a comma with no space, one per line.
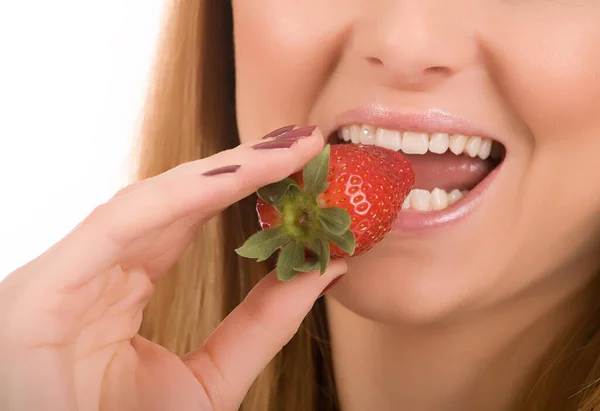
(284,54)
(547,66)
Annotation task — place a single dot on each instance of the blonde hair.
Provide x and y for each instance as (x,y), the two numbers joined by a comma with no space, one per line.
(190,114)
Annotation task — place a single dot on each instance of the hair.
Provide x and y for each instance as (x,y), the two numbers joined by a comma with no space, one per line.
(190,114)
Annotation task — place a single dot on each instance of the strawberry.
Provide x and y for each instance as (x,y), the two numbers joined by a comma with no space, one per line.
(342,204)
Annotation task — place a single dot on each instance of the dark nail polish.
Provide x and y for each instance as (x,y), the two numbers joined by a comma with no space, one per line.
(222,170)
(274,144)
(279,131)
(297,133)
(330,286)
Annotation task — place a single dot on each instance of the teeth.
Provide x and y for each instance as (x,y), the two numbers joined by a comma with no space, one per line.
(411,142)
(355,134)
(388,139)
(486,148)
(473,146)
(454,196)
(437,199)
(415,143)
(420,199)
(406,203)
(367,135)
(439,143)
(344,133)
(458,143)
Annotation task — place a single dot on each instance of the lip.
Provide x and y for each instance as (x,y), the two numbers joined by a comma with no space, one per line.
(429,121)
(411,221)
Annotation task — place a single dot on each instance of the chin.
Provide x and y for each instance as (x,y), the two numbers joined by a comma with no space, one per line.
(404,284)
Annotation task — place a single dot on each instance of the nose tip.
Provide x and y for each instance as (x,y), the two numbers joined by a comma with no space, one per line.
(416,77)
(413,49)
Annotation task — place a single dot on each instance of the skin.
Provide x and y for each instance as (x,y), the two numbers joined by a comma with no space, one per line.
(418,331)
(69,319)
(430,321)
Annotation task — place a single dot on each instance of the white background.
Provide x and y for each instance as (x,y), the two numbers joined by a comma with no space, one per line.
(72,80)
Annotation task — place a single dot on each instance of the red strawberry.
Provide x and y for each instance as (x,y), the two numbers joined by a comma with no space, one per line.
(342,204)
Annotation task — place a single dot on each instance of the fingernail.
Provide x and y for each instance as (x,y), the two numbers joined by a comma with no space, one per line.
(222,170)
(330,286)
(274,144)
(297,133)
(279,131)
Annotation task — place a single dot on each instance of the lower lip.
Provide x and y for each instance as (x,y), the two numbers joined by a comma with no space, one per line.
(411,221)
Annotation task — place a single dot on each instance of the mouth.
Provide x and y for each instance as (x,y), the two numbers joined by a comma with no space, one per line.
(452,170)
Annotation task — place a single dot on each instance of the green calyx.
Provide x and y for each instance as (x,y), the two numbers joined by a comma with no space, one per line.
(306,232)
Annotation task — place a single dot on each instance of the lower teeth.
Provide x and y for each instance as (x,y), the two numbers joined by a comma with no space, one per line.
(437,199)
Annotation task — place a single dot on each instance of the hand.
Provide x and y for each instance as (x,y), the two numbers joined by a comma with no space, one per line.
(69,319)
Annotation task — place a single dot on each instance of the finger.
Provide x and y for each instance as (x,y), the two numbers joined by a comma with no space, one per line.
(99,242)
(249,338)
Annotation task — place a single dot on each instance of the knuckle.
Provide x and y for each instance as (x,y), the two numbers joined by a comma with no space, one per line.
(104,213)
(101,215)
(182,167)
(203,366)
(103,225)
(126,190)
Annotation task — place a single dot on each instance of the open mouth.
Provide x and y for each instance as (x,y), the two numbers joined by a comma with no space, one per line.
(447,166)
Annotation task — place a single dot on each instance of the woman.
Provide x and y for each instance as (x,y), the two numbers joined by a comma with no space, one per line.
(482,298)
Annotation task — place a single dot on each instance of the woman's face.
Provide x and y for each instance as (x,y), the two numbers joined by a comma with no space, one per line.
(524,73)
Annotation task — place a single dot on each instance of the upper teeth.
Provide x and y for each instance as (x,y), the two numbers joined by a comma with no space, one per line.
(411,142)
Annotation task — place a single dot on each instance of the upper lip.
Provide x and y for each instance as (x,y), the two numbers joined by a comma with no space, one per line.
(428,121)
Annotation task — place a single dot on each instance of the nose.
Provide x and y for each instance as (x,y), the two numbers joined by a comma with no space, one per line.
(414,44)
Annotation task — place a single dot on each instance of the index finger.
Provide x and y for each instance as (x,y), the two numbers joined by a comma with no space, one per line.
(204,187)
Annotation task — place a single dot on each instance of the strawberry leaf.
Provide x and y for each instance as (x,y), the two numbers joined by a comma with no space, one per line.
(320,260)
(263,244)
(312,264)
(274,193)
(335,220)
(314,174)
(324,255)
(291,256)
(346,241)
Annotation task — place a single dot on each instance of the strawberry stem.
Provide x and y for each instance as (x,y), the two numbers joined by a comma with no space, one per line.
(299,213)
(305,224)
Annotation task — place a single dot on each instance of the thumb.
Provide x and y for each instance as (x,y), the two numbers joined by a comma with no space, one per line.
(248,339)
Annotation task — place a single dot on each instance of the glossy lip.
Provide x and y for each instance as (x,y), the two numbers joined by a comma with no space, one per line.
(429,121)
(411,221)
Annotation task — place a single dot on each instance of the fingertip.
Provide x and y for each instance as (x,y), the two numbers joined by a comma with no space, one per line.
(337,268)
(319,137)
